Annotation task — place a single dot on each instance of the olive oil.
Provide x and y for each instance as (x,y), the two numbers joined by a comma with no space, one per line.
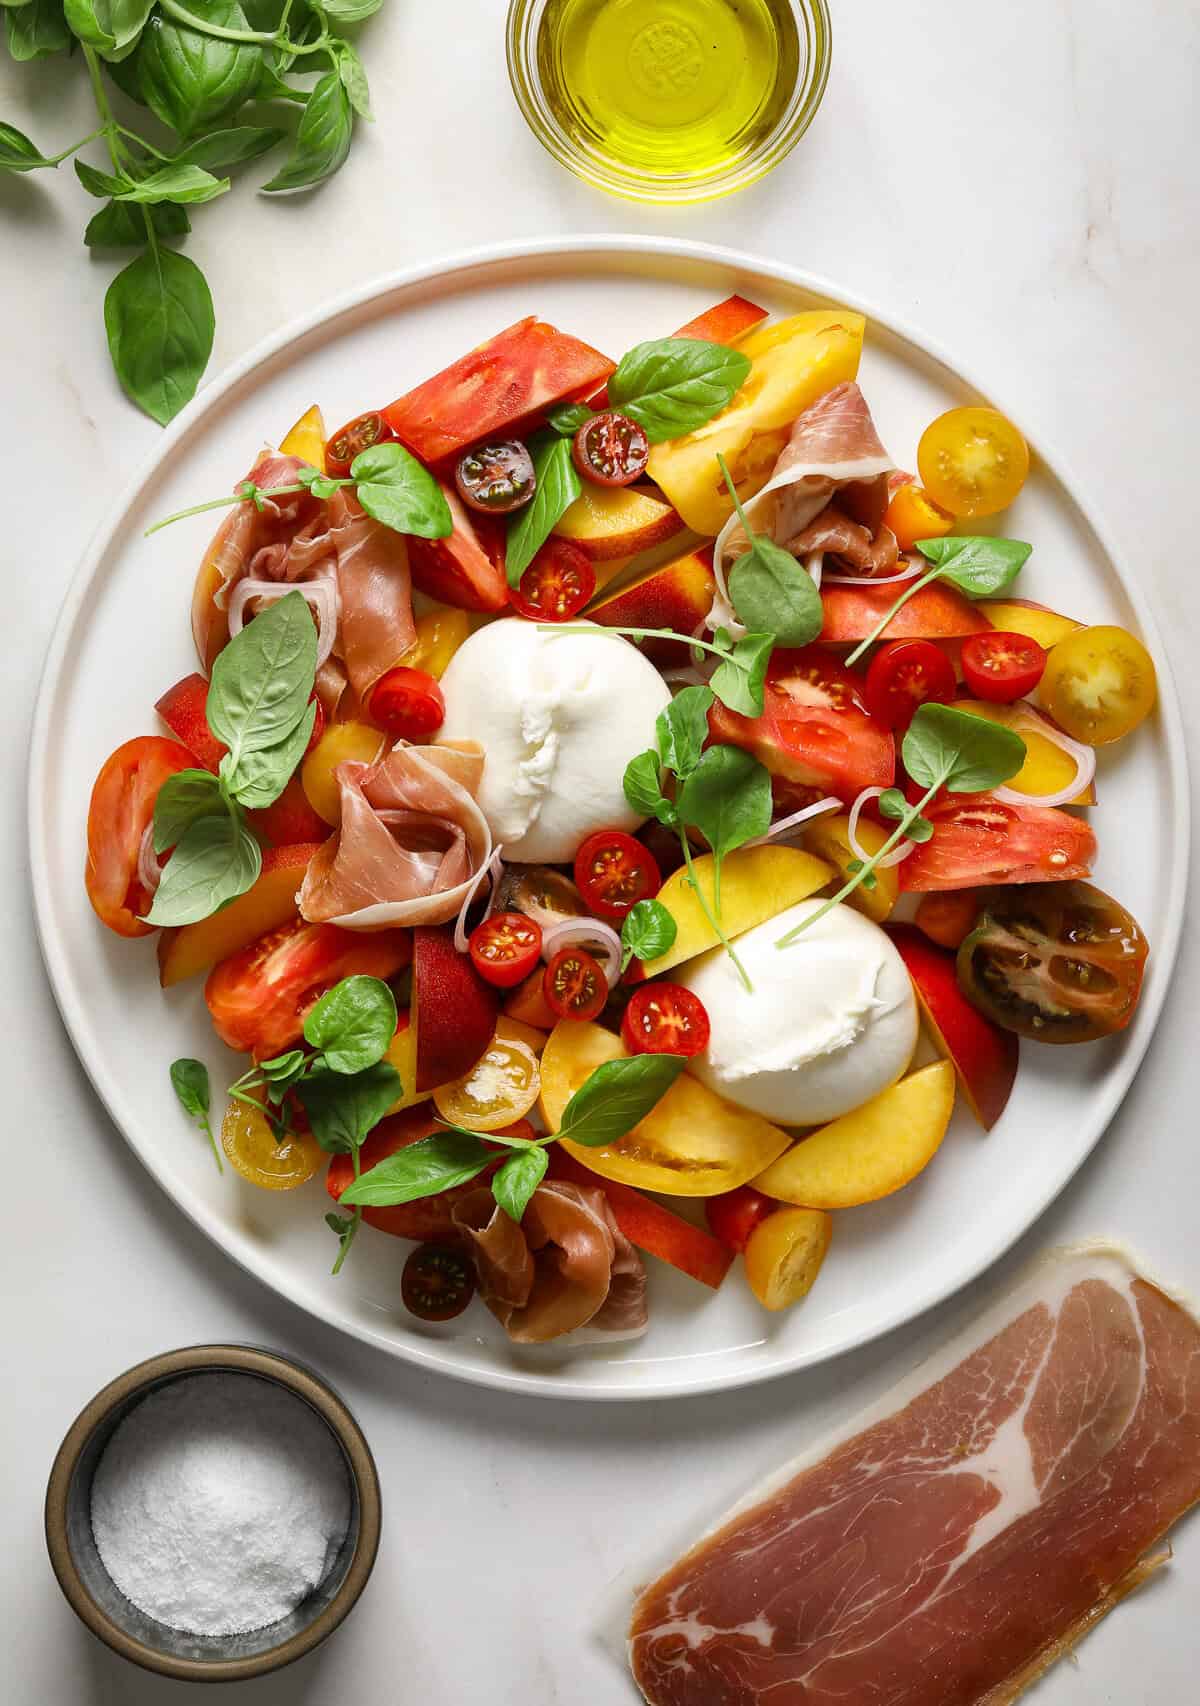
(668,88)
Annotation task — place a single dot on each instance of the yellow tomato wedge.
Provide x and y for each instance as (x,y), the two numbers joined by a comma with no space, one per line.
(250,1145)
(341,741)
(784,1255)
(306,439)
(500,1088)
(1047,768)
(829,838)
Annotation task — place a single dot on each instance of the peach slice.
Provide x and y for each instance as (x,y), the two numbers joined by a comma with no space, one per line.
(527,1004)
(616,521)
(691,1144)
(454,1009)
(306,439)
(1047,768)
(678,596)
(341,741)
(402,1054)
(1035,621)
(937,612)
(984,1056)
(871,1152)
(271,902)
(182,709)
(829,838)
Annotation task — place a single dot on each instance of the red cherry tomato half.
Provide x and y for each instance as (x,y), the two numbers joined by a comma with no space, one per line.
(613,872)
(904,675)
(407,703)
(665,1018)
(1002,667)
(733,1215)
(437,1282)
(359,434)
(496,478)
(556,585)
(611,450)
(505,948)
(574,985)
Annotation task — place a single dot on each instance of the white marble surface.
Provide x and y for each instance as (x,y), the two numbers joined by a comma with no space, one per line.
(1018,180)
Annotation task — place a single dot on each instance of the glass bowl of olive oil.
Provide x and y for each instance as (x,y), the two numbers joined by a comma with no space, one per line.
(669,100)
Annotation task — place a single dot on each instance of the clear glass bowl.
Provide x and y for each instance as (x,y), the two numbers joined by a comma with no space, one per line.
(591,163)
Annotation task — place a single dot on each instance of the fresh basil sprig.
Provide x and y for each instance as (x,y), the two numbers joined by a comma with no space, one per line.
(189,1080)
(977,565)
(671,386)
(944,748)
(771,592)
(566,418)
(558,486)
(647,930)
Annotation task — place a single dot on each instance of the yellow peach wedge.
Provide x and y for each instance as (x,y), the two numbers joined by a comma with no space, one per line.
(306,439)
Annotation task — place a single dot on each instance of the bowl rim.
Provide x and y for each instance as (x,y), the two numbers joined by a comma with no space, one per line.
(305,1384)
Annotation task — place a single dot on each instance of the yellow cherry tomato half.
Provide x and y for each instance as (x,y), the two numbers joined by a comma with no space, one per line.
(1099,683)
(341,741)
(500,1088)
(912,515)
(439,635)
(250,1145)
(784,1255)
(973,461)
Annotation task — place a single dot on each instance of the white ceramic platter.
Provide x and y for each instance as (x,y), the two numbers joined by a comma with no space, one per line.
(123,638)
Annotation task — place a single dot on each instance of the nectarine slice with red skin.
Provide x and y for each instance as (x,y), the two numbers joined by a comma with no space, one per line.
(269,903)
(182,709)
(984,1056)
(678,595)
(454,1009)
(937,612)
(616,521)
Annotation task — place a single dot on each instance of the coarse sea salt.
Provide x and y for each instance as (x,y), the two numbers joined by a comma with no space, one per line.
(220,1503)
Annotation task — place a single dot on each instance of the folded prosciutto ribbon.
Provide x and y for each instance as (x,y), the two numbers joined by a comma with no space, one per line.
(412,840)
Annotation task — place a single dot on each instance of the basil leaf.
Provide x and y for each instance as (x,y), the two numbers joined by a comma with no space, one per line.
(110,26)
(271,87)
(979,566)
(97,183)
(643,789)
(37,30)
(262,680)
(183,798)
(354,80)
(18,153)
(189,1080)
(216,860)
(343,1109)
(190,80)
(421,1169)
(671,386)
(351,11)
(567,418)
(557,488)
(352,1024)
(158,314)
(616,1096)
(399,492)
(954,749)
(517,1180)
(647,931)
(681,730)
(738,680)
(727,798)
(231,147)
(258,778)
(172,182)
(322,139)
(119,226)
(774,594)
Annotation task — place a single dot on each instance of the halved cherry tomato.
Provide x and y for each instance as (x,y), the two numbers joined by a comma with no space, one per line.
(574,985)
(613,872)
(1099,684)
(120,813)
(438,1282)
(983,841)
(784,1255)
(733,1215)
(496,478)
(253,1150)
(973,461)
(904,675)
(1002,667)
(912,514)
(665,1018)
(501,1087)
(556,585)
(947,918)
(611,450)
(407,703)
(357,435)
(505,948)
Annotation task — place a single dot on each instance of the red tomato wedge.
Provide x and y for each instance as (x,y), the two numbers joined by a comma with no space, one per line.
(496,389)
(466,569)
(648,1224)
(260,997)
(814,730)
(937,612)
(119,814)
(981,841)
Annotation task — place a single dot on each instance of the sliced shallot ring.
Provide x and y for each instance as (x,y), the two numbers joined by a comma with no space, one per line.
(321,596)
(149,865)
(869,580)
(493,871)
(787,824)
(895,857)
(1084,756)
(597,937)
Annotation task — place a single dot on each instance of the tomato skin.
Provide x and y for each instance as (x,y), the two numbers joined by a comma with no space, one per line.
(556,585)
(466,569)
(611,450)
(1001,667)
(948,917)
(437,1283)
(408,704)
(912,514)
(613,871)
(574,985)
(973,461)
(665,1018)
(733,1215)
(357,435)
(1100,683)
(904,675)
(505,948)
(979,841)
(119,813)
(496,478)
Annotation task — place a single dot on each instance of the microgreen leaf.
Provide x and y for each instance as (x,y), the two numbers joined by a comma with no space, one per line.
(671,386)
(771,592)
(344,1108)
(647,931)
(643,788)
(518,1178)
(681,729)
(557,488)
(727,798)
(738,680)
(892,803)
(616,1096)
(436,1163)
(353,1024)
(948,748)
(189,1080)
(978,565)
(567,418)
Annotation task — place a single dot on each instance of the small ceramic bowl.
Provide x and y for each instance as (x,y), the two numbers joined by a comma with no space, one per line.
(128,1631)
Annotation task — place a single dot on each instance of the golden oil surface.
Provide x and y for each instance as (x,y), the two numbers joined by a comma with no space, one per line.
(668,87)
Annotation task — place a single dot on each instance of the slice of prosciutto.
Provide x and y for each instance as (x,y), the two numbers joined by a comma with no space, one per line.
(963,1534)
(411,842)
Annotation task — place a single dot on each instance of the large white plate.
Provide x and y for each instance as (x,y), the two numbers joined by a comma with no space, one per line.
(123,637)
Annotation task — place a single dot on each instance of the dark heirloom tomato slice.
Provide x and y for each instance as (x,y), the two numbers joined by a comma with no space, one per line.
(733,1215)
(613,872)
(611,450)
(1002,667)
(556,585)
(120,812)
(1061,962)
(904,675)
(408,703)
(496,478)
(574,985)
(665,1018)
(438,1282)
(358,434)
(505,948)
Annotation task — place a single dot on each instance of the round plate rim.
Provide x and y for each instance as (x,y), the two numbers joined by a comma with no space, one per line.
(718,257)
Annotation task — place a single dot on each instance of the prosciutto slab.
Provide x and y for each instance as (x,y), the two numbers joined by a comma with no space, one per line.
(965,1532)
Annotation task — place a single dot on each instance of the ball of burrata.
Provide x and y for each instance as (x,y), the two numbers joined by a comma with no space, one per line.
(831,1022)
(559,717)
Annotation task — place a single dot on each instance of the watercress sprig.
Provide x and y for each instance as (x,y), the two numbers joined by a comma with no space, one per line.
(978,566)
(770,591)
(189,1080)
(738,679)
(944,748)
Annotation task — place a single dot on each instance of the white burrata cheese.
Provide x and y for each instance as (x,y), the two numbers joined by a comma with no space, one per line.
(559,716)
(832,1020)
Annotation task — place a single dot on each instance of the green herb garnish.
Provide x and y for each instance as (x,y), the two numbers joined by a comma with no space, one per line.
(977,565)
